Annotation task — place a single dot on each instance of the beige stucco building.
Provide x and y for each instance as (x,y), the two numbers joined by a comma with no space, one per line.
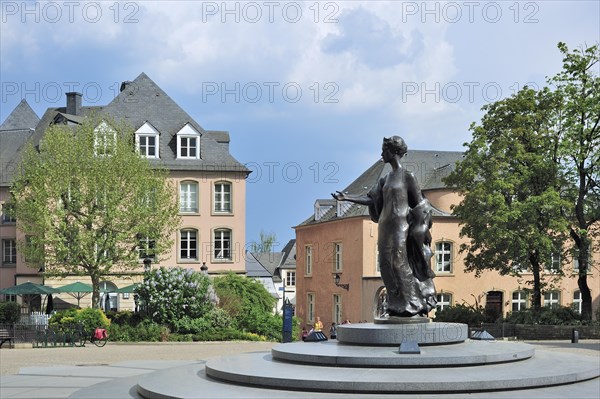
(340,239)
(209,185)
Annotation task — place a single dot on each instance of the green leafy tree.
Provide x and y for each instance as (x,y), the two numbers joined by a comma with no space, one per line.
(10,312)
(578,84)
(248,302)
(172,294)
(85,200)
(266,244)
(509,179)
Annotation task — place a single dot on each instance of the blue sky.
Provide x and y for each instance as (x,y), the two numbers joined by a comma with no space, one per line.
(307,89)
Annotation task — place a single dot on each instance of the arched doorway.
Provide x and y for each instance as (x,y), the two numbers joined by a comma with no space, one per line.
(109,299)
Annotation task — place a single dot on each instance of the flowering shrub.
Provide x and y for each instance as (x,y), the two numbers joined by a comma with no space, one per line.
(172,294)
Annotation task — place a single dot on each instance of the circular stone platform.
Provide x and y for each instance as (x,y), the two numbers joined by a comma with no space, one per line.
(544,369)
(393,334)
(470,353)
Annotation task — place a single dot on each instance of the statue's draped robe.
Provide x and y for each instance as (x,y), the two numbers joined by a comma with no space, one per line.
(403,245)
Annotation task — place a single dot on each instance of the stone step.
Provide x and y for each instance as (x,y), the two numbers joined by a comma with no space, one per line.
(469,353)
(542,370)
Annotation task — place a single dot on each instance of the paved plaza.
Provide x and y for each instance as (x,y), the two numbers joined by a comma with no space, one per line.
(114,371)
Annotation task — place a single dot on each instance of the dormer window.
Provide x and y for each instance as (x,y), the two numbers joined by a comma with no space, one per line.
(146,141)
(105,140)
(188,143)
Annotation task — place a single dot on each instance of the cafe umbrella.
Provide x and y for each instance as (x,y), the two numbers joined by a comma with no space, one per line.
(77,290)
(29,290)
(129,289)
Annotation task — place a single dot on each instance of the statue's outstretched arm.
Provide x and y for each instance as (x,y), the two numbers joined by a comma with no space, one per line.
(357,199)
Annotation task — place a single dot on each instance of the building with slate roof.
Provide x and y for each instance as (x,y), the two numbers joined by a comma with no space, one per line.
(15,131)
(340,239)
(277,272)
(210,182)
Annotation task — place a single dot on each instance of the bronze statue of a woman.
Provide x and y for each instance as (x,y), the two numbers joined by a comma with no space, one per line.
(403,215)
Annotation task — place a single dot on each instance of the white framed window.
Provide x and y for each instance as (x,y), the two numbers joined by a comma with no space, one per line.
(308,259)
(8,213)
(577,301)
(310,307)
(147,141)
(188,143)
(188,245)
(519,301)
(9,251)
(222,244)
(576,260)
(105,140)
(290,279)
(188,197)
(146,248)
(147,146)
(126,295)
(443,257)
(552,298)
(444,300)
(554,265)
(222,197)
(337,309)
(337,256)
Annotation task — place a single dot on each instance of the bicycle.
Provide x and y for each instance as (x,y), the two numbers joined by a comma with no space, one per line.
(98,337)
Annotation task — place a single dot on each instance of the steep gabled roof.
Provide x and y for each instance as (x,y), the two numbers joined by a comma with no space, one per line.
(14,133)
(23,117)
(11,144)
(272,262)
(429,168)
(254,268)
(142,101)
(289,255)
(51,115)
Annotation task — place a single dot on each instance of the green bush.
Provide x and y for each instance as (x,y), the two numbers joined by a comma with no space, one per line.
(125,317)
(10,312)
(249,304)
(265,324)
(466,314)
(245,293)
(227,334)
(145,331)
(89,317)
(556,315)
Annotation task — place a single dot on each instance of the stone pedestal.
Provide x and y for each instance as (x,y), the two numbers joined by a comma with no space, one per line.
(366,360)
(393,334)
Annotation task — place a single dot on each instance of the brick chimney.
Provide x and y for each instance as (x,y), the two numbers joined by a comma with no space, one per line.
(73,103)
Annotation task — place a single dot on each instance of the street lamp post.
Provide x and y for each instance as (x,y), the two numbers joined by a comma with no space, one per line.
(336,280)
